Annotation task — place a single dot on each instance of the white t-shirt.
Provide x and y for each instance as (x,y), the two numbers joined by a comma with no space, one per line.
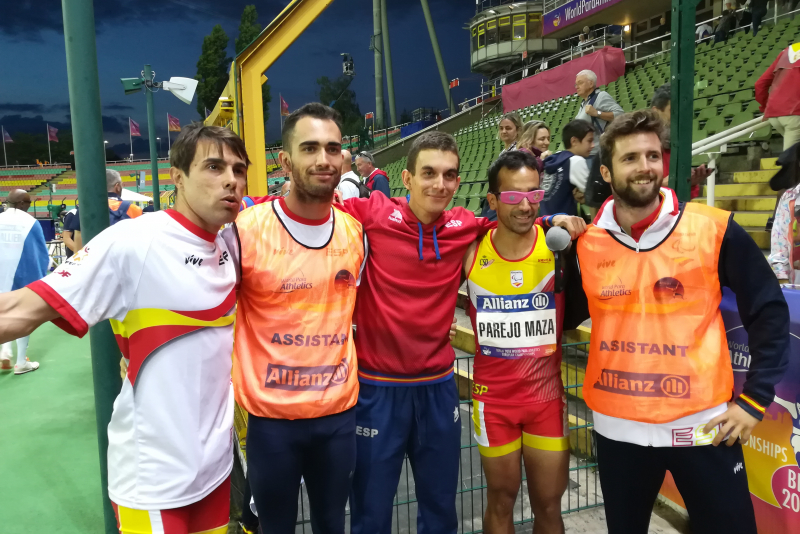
(311,234)
(170,436)
(349,189)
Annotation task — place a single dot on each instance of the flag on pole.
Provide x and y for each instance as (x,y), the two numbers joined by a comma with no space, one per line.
(453,83)
(369,115)
(134,126)
(51,134)
(284,107)
(174,123)
(7,137)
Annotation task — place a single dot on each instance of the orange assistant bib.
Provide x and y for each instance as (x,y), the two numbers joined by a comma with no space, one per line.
(658,350)
(294,356)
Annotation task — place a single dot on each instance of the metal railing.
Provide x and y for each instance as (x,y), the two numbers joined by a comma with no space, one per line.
(583,489)
(721,141)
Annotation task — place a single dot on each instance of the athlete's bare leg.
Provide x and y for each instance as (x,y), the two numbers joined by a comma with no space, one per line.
(503,477)
(547,473)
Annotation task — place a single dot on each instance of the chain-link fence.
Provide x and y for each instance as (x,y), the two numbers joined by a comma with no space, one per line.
(583,487)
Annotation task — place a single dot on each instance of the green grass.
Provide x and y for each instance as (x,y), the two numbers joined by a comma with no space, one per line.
(50,469)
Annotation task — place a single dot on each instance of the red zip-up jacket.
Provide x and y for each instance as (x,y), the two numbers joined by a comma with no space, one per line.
(778,89)
(408,290)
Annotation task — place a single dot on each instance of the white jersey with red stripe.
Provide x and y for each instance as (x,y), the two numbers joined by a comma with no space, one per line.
(168,288)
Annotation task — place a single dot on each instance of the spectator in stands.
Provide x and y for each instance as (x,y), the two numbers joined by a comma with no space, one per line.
(703,31)
(663,32)
(535,138)
(662,105)
(778,93)
(567,170)
(508,130)
(758,8)
(725,25)
(286,186)
(588,33)
(118,209)
(348,185)
(67,236)
(150,208)
(23,260)
(598,107)
(375,179)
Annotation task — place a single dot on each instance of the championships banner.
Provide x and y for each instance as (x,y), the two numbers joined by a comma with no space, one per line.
(772,455)
(573,12)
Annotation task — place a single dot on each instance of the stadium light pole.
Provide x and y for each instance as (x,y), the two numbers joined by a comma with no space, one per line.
(682,91)
(87,131)
(183,88)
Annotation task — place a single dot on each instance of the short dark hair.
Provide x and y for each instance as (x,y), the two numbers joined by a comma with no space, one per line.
(662,97)
(641,121)
(575,128)
(184,148)
(431,141)
(314,110)
(512,160)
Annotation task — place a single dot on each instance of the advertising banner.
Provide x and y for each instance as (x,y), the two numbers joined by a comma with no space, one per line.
(572,12)
(772,454)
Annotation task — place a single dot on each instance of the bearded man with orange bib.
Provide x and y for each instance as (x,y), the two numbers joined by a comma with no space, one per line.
(659,377)
(294,367)
(517,312)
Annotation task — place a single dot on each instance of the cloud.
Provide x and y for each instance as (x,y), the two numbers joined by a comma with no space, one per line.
(22,108)
(117,107)
(113,125)
(32,125)
(28,20)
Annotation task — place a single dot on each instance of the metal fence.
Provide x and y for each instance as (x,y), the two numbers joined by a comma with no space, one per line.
(583,487)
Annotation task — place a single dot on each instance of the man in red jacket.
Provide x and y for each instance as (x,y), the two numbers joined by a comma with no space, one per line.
(408,402)
(778,92)
(375,179)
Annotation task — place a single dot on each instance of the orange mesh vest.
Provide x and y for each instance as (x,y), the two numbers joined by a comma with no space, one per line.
(658,349)
(294,356)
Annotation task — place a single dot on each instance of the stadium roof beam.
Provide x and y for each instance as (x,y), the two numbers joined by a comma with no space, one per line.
(247,77)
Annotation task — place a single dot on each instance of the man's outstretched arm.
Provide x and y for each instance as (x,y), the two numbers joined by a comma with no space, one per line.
(21,312)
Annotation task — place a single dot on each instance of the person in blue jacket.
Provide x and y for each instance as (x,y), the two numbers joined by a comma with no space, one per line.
(23,259)
(567,170)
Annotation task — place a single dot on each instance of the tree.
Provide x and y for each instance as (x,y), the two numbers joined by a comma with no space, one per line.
(249,28)
(336,89)
(212,69)
(406,117)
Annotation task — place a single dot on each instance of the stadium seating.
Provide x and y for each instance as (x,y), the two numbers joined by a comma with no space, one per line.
(725,75)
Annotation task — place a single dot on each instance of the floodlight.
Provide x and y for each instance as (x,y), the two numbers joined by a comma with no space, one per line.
(131,85)
(183,88)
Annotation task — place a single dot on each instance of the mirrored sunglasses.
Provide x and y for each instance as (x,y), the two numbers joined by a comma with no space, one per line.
(515,197)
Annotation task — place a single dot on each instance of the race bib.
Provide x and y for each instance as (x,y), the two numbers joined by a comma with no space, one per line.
(517,326)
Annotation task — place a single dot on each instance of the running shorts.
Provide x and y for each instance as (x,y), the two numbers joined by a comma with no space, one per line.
(501,429)
(209,516)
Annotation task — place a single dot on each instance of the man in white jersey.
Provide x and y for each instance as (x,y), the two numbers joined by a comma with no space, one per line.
(167,282)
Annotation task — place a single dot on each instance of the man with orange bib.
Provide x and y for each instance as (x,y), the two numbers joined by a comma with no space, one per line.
(517,313)
(659,377)
(294,367)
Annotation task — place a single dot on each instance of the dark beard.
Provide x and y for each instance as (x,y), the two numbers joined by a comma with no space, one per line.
(626,196)
(307,193)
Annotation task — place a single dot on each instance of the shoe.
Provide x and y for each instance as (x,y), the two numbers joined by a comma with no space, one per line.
(5,362)
(27,367)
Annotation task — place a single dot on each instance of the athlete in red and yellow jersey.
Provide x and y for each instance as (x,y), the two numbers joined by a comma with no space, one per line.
(294,367)
(659,377)
(519,408)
